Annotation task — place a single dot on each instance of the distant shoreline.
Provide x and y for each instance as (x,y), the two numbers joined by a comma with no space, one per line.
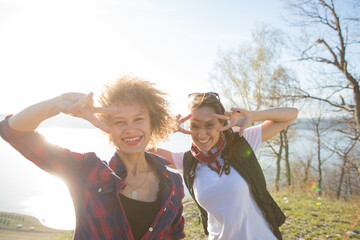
(25,227)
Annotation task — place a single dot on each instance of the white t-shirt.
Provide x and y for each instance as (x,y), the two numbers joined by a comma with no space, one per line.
(232,211)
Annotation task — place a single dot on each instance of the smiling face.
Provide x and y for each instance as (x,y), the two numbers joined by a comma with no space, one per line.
(130,128)
(203,127)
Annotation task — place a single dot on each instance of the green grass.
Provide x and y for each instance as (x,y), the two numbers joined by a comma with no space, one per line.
(307,218)
(312,218)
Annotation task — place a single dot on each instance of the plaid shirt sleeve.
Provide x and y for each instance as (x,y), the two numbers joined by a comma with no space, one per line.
(49,157)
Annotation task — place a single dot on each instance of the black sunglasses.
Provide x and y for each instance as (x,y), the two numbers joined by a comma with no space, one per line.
(204,95)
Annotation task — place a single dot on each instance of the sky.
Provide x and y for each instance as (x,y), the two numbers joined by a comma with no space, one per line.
(49,47)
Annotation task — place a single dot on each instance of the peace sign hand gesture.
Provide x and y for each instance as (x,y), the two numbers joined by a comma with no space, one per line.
(180,121)
(237,117)
(82,106)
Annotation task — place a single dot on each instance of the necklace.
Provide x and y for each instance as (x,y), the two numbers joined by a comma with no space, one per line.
(134,194)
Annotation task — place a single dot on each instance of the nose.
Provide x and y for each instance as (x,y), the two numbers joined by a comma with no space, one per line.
(202,133)
(129,127)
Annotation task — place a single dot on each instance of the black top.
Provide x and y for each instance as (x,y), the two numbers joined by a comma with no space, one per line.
(141,215)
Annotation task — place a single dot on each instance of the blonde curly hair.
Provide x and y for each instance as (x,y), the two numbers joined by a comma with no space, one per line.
(128,90)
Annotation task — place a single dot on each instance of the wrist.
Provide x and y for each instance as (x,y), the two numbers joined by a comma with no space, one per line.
(56,105)
(252,116)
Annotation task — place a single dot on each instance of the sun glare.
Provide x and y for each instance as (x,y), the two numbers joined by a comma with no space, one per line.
(53,206)
(52,203)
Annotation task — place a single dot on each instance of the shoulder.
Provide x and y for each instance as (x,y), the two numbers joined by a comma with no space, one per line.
(158,159)
(254,131)
(88,162)
(253,135)
(188,159)
(174,176)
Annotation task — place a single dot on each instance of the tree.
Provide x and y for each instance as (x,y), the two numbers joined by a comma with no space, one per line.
(347,152)
(333,42)
(278,154)
(254,77)
(320,127)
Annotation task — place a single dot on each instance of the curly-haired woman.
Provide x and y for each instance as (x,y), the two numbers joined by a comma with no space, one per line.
(131,197)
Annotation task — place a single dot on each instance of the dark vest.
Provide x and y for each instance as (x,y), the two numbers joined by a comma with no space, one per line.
(245,163)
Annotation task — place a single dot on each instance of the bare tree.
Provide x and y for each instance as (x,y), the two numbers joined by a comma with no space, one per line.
(344,179)
(286,157)
(278,154)
(320,128)
(253,77)
(344,156)
(333,41)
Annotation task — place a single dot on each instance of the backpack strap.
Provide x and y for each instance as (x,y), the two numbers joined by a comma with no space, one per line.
(189,163)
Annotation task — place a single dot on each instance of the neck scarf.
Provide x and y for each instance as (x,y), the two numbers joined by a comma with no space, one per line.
(210,158)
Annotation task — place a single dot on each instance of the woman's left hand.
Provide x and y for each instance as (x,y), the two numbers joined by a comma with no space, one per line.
(237,117)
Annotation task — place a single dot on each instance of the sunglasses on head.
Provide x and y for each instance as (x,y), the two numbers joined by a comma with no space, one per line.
(204,95)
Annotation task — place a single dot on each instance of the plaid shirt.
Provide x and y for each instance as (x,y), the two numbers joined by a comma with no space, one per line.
(94,187)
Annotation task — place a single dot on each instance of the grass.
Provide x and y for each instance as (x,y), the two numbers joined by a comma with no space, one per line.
(312,218)
(31,228)
(307,218)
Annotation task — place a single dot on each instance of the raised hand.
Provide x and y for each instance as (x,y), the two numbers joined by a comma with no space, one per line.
(180,121)
(82,106)
(237,117)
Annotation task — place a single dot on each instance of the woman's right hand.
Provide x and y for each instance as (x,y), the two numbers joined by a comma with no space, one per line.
(82,106)
(180,121)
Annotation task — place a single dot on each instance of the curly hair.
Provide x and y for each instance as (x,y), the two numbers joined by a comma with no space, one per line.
(128,90)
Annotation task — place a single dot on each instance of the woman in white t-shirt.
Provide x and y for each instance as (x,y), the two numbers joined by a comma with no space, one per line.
(231,188)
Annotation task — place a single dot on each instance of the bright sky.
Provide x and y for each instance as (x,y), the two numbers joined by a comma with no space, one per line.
(53,46)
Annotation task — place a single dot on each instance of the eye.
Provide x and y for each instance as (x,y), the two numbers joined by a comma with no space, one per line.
(210,126)
(194,126)
(140,119)
(120,123)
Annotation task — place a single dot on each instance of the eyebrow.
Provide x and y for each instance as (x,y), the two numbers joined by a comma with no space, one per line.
(205,122)
(122,116)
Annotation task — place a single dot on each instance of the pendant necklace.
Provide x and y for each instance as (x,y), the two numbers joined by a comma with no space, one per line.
(134,194)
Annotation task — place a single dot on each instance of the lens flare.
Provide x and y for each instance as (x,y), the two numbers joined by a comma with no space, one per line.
(315,187)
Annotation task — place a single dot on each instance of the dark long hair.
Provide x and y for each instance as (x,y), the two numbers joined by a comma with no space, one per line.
(203,100)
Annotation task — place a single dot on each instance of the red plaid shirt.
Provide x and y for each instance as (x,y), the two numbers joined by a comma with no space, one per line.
(94,187)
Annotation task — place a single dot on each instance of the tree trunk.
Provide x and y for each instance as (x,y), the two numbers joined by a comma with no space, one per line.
(356,96)
(341,178)
(287,160)
(278,161)
(319,181)
(307,169)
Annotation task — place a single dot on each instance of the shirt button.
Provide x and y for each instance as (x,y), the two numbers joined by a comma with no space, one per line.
(164,209)
(151,229)
(100,189)
(173,193)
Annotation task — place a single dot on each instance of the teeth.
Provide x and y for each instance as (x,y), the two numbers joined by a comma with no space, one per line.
(132,139)
(204,141)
